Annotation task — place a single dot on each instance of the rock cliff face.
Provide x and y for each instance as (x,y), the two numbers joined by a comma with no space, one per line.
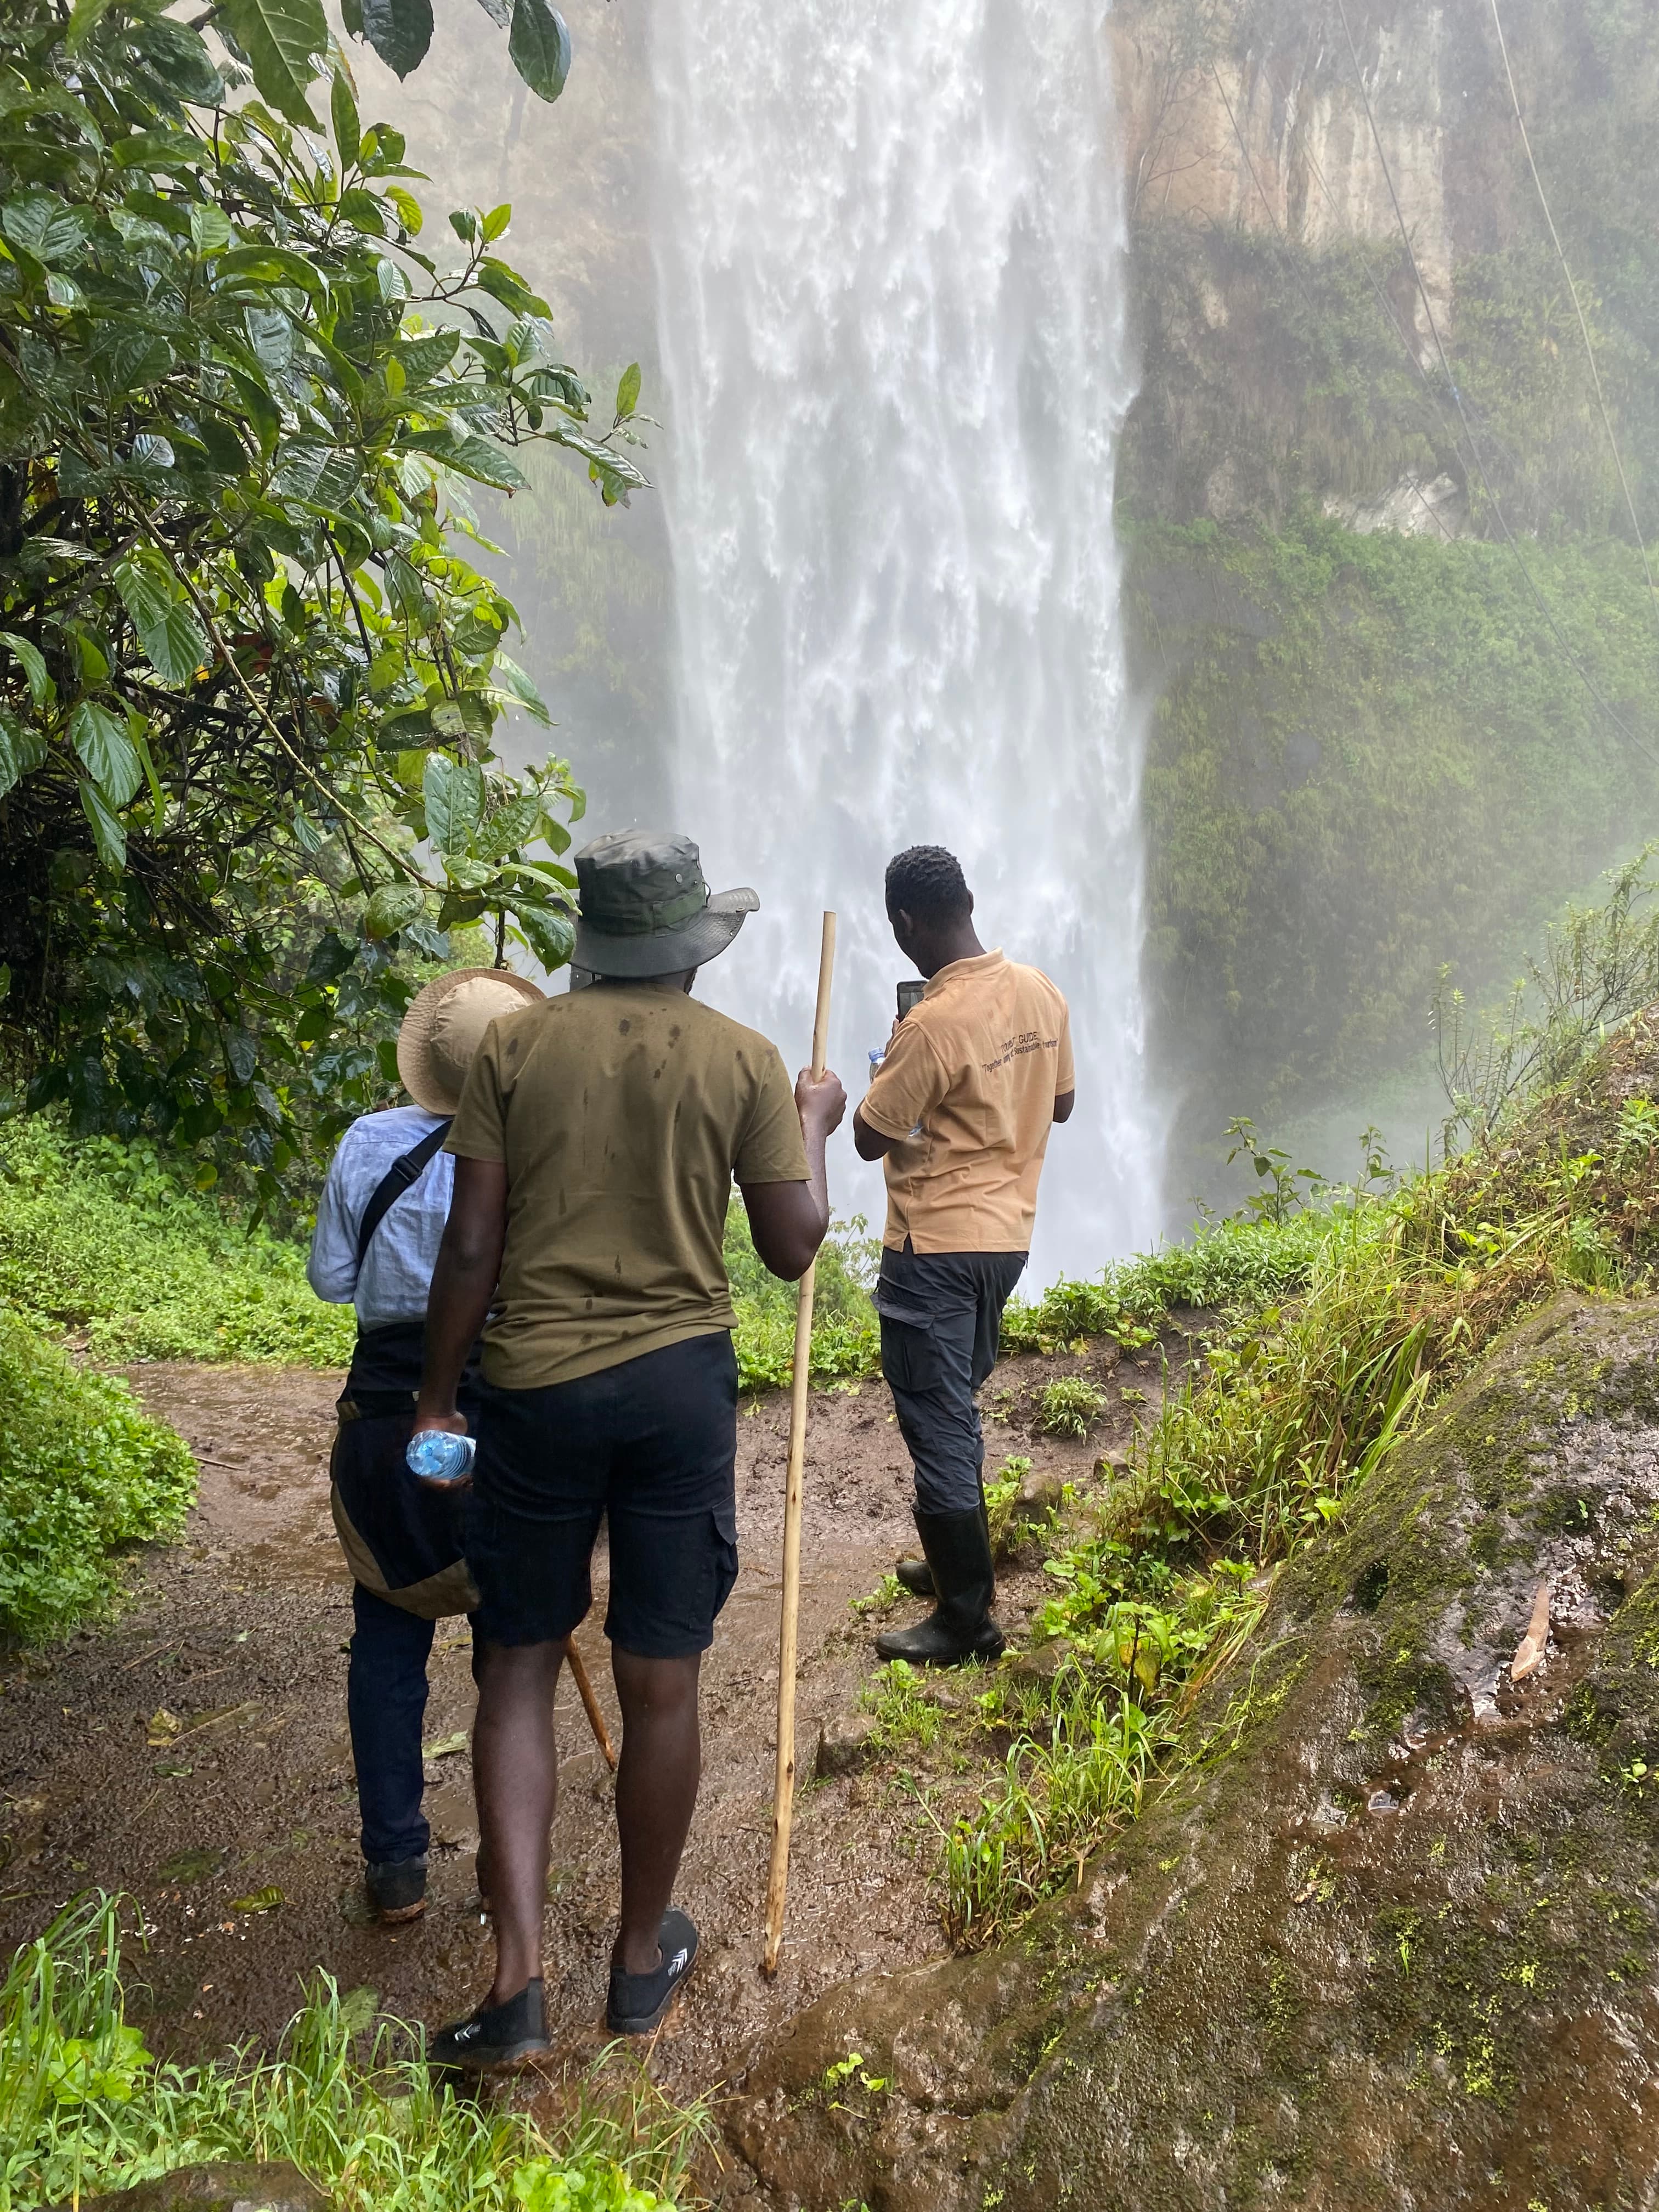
(1275,138)
(1391,1942)
(1264,219)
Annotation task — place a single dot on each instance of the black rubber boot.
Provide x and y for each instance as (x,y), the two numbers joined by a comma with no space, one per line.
(960,1626)
(917,1576)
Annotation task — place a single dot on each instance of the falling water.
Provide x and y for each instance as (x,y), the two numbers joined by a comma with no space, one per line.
(891,273)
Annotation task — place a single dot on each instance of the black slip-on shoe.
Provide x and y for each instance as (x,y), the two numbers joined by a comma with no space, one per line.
(916,1576)
(397,1891)
(638,2002)
(495,2036)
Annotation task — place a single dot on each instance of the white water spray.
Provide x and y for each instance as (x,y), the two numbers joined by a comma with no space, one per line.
(891,258)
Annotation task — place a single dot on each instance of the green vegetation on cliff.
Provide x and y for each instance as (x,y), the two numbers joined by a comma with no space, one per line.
(1368,759)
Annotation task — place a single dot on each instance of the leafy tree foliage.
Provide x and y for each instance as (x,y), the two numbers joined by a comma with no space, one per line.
(250,676)
(281,41)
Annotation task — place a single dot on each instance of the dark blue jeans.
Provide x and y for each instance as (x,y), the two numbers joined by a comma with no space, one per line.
(386,1704)
(941,1319)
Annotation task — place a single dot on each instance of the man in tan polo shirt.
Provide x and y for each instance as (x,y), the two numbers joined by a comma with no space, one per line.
(959,1111)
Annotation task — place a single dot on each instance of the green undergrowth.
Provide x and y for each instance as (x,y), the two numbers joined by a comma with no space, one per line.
(83,1477)
(846,1337)
(1155,1583)
(1227,1264)
(106,1239)
(85,2108)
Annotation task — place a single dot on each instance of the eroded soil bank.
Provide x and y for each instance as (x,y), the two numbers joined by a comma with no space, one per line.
(1392,1944)
(240,1634)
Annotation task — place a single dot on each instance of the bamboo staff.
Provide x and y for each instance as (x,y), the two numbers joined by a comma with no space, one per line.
(590,1702)
(783,1793)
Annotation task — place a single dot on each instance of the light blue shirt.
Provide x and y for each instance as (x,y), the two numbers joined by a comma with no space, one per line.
(397,1271)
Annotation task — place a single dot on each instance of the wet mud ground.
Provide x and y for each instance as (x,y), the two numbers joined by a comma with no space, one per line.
(238,1633)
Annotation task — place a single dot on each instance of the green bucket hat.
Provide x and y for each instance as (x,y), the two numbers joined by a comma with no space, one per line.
(644,908)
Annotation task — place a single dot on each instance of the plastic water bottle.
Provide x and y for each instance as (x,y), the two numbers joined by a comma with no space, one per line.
(876,1056)
(439,1455)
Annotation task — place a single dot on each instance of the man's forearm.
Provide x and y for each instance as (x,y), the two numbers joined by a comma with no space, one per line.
(456,1309)
(817,1174)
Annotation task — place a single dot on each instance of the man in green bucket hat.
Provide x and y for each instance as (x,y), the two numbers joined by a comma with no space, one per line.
(596,1144)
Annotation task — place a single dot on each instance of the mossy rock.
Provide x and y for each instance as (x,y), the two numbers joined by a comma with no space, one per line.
(1390,1939)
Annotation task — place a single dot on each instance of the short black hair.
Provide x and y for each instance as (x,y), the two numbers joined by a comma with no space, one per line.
(927,882)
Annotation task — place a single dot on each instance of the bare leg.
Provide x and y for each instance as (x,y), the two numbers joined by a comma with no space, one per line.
(656,1779)
(516,1774)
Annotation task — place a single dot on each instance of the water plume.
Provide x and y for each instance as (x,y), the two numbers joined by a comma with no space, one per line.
(890,260)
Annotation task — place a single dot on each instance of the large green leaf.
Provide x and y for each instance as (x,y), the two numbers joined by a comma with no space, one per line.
(107,750)
(147,590)
(628,391)
(477,457)
(283,41)
(551,933)
(84,18)
(400,31)
(539,44)
(392,908)
(107,835)
(42,689)
(508,827)
(178,59)
(209,229)
(453,795)
(520,685)
(45,226)
(255,268)
(176,646)
(21,748)
(343,113)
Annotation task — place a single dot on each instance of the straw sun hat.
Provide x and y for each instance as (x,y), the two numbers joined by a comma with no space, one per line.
(445,1026)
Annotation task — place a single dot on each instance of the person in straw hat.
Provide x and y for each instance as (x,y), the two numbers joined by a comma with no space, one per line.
(379,1227)
(596,1146)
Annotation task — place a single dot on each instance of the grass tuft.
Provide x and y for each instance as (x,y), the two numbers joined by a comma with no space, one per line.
(1070,1403)
(84,2106)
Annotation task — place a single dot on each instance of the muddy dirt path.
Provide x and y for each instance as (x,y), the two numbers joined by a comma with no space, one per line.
(240,1632)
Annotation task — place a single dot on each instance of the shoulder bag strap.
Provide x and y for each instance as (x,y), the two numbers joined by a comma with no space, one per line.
(405,1171)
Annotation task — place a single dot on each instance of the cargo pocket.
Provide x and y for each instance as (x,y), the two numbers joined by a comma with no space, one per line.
(910,1357)
(724,1556)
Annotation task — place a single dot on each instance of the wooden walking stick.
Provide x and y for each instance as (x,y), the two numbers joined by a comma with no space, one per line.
(590,1702)
(783,1793)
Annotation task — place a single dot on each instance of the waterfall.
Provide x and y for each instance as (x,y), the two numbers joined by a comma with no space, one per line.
(891,270)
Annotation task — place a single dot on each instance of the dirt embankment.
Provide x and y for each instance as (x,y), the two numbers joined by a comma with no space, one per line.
(1394,1942)
(239,1633)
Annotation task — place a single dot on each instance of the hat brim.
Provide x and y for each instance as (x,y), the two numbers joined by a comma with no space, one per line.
(417,1071)
(665,951)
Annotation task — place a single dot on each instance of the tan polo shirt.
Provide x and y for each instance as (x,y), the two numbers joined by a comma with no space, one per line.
(622,1115)
(978,1063)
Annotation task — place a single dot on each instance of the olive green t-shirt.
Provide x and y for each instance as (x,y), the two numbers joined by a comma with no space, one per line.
(623,1115)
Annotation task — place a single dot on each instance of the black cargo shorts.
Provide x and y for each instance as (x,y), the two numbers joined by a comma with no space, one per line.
(650,1446)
